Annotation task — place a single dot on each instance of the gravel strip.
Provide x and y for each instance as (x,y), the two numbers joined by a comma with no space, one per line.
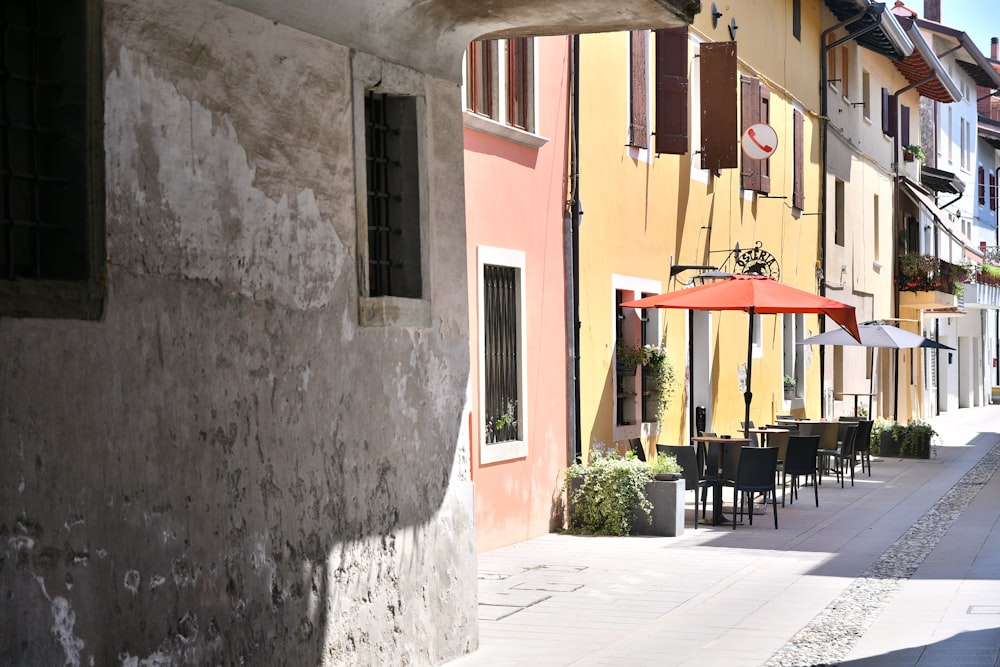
(829,637)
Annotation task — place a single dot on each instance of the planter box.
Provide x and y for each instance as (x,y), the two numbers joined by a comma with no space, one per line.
(889,448)
(668,509)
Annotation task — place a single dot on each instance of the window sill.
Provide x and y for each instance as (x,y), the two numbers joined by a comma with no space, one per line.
(394,311)
(497,452)
(486,125)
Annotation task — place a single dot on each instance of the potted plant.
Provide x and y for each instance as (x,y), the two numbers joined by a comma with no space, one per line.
(913,152)
(608,495)
(665,493)
(664,378)
(910,440)
(789,382)
(628,357)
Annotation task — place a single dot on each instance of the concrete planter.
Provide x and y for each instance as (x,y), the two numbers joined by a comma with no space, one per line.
(667,498)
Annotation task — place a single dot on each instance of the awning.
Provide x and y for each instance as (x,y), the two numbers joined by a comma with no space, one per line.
(940,180)
(922,199)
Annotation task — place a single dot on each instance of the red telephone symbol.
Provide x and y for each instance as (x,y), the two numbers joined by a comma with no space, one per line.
(753,138)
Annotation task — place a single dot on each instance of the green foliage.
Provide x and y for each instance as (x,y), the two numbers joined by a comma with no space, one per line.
(630,356)
(917,151)
(665,378)
(665,463)
(605,493)
(910,437)
(789,381)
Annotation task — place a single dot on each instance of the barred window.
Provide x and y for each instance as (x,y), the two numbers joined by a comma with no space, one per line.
(393,195)
(501,356)
(51,217)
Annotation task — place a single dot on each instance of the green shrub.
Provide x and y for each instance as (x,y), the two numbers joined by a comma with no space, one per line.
(604,493)
(665,463)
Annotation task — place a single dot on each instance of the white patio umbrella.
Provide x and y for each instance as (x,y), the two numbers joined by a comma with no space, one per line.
(877,334)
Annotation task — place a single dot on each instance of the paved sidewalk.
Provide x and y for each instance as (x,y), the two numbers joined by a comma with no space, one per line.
(813,592)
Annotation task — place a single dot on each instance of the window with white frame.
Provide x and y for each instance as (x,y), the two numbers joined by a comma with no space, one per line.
(500,82)
(502,362)
(635,399)
(866,93)
(793,325)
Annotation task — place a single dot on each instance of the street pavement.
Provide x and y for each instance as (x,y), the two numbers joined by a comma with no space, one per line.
(903,568)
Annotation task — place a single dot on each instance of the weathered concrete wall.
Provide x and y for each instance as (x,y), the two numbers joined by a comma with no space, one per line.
(226,469)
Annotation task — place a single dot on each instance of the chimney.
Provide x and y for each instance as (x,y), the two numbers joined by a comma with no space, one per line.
(932,10)
(994,49)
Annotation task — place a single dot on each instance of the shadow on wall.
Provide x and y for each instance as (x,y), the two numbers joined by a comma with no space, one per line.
(244,489)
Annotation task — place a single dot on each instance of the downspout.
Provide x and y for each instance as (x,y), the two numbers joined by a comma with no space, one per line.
(824,118)
(996,359)
(575,444)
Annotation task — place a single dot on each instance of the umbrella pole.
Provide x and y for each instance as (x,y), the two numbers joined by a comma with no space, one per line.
(748,395)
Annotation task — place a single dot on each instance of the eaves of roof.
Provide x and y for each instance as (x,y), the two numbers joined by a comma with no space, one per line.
(923,69)
(877,30)
(989,130)
(969,58)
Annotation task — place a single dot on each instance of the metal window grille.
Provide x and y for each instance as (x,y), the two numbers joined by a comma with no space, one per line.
(43,199)
(622,380)
(649,398)
(393,196)
(501,354)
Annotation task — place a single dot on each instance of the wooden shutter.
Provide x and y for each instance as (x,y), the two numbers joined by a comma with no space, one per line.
(982,186)
(798,159)
(638,129)
(671,133)
(904,125)
(719,135)
(888,113)
(765,117)
(750,112)
(993,191)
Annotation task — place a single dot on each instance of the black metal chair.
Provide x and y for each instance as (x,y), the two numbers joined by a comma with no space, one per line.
(842,458)
(800,460)
(694,480)
(756,473)
(637,448)
(863,444)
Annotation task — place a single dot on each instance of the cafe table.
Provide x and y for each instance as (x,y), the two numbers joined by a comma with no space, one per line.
(724,443)
(764,431)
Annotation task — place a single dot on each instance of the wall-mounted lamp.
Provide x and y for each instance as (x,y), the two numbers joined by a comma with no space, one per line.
(679,268)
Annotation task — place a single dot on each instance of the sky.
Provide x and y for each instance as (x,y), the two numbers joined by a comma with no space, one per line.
(979,19)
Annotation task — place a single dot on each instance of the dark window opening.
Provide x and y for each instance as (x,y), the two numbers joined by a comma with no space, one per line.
(501,358)
(393,195)
(49,209)
(797,19)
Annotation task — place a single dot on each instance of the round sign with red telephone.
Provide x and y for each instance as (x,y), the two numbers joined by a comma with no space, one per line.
(759,141)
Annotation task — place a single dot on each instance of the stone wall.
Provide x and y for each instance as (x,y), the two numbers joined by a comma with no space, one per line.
(226,468)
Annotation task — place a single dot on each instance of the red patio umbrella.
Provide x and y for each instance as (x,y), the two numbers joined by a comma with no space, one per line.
(753,295)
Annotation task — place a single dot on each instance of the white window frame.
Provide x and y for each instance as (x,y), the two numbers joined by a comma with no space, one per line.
(497,125)
(511,449)
(638,287)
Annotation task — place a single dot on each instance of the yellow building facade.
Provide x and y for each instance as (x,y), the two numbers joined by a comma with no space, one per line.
(667,193)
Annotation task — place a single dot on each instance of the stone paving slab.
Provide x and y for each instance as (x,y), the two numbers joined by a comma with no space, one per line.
(718,596)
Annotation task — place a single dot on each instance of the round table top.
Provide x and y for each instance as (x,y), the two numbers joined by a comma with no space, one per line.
(718,438)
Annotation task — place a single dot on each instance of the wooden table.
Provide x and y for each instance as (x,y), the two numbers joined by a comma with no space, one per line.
(764,431)
(704,440)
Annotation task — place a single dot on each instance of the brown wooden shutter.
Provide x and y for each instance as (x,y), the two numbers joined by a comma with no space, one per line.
(750,114)
(765,117)
(798,160)
(638,129)
(719,135)
(904,125)
(671,133)
(982,186)
(888,113)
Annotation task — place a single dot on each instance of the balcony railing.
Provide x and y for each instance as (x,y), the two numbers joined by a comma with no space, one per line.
(927,273)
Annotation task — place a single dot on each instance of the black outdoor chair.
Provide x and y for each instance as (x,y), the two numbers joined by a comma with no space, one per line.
(687,458)
(842,458)
(800,460)
(756,474)
(863,444)
(637,448)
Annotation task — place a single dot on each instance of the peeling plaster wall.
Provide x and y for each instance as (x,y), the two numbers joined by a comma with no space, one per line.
(226,469)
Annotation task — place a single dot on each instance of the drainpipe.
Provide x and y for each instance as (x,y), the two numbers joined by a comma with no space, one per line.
(824,119)
(997,312)
(575,444)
